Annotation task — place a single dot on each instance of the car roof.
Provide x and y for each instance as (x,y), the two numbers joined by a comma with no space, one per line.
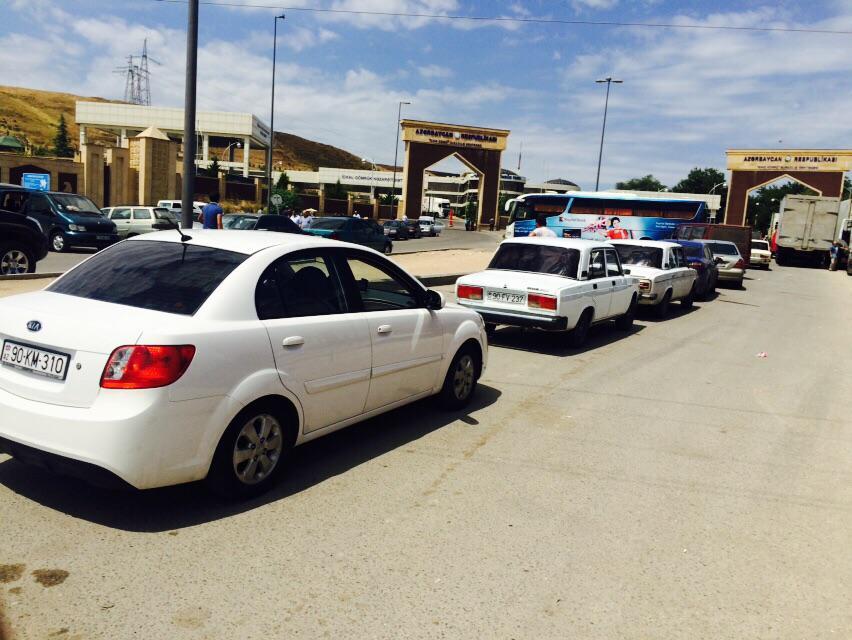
(566,243)
(709,240)
(687,243)
(655,244)
(241,241)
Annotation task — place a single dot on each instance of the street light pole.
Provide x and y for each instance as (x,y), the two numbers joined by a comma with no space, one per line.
(188,182)
(395,159)
(712,189)
(272,117)
(608,80)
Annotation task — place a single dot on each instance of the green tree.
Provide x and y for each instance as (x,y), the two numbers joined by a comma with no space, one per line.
(214,168)
(289,199)
(645,183)
(701,181)
(283,182)
(336,191)
(61,141)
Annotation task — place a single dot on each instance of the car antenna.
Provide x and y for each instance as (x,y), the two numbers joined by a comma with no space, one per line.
(174,225)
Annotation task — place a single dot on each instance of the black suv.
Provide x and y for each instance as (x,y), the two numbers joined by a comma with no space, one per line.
(22,244)
(67,219)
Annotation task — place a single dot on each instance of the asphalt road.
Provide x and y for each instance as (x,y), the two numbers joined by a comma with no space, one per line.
(449,239)
(668,483)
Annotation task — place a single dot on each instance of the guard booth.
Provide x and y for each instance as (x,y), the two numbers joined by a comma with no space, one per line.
(480,149)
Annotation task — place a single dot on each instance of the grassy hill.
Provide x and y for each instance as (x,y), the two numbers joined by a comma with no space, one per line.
(31,115)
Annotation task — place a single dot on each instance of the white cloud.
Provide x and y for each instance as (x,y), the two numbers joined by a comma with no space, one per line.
(435,71)
(302,38)
(597,5)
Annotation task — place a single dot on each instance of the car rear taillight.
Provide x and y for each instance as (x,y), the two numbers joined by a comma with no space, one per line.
(146,366)
(469,293)
(537,301)
(740,264)
(334,236)
(645,285)
(698,266)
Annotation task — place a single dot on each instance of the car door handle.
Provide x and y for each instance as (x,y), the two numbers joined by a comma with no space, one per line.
(384,328)
(594,286)
(293,341)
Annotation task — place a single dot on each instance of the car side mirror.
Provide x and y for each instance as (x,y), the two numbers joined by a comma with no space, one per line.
(434,300)
(625,271)
(363,284)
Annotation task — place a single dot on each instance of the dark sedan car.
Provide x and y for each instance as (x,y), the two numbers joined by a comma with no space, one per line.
(251,221)
(414,229)
(22,244)
(356,230)
(700,257)
(397,230)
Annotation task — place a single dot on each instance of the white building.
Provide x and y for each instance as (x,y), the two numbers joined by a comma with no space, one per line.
(243,130)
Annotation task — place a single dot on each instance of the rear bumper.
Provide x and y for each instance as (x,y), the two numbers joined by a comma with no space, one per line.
(731,275)
(553,323)
(759,261)
(89,239)
(648,298)
(140,439)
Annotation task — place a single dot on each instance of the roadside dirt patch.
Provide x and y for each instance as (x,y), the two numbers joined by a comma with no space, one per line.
(434,263)
(5,630)
(12,287)
(11,572)
(50,577)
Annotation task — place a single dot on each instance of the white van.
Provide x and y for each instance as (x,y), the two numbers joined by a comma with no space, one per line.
(176,206)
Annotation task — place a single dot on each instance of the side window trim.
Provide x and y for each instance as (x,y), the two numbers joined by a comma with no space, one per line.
(353,295)
(592,254)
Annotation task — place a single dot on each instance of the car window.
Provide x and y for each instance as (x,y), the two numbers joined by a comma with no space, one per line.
(161,213)
(613,266)
(760,244)
(328,223)
(120,214)
(13,201)
(161,276)
(378,288)
(677,257)
(536,258)
(72,203)
(707,253)
(596,265)
(693,251)
(299,285)
(38,203)
(724,248)
(640,256)
(141,214)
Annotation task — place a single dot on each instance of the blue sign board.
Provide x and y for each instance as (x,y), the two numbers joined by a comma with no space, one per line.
(38,181)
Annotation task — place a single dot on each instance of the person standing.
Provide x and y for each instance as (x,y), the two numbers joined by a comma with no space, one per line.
(211,213)
(541,230)
(298,219)
(834,253)
(308,220)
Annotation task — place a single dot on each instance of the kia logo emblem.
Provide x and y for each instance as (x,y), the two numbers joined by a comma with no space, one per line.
(34,325)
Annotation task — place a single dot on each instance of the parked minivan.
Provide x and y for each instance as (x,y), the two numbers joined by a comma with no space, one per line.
(67,219)
(133,221)
(176,207)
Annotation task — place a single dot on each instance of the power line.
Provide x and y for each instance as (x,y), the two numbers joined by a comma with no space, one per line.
(516,20)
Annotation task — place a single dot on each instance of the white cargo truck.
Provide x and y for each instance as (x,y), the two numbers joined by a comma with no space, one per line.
(807,226)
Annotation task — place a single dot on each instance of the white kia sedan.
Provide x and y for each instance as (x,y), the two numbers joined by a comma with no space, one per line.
(663,271)
(552,283)
(160,361)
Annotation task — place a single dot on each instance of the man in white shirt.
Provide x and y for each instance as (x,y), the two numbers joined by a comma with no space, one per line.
(308,221)
(298,219)
(541,230)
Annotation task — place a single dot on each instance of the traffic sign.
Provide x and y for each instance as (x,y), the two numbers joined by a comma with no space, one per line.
(277,200)
(38,181)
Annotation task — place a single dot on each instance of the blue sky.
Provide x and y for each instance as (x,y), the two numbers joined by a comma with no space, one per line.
(687,94)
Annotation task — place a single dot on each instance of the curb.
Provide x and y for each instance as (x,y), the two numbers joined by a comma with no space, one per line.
(31,276)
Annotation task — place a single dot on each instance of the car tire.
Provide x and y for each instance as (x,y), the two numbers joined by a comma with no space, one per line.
(57,242)
(579,334)
(689,300)
(662,309)
(625,322)
(490,328)
(388,249)
(16,259)
(234,472)
(461,379)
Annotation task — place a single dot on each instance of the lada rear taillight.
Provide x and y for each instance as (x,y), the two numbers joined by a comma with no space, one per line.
(740,264)
(468,292)
(698,266)
(146,366)
(537,301)
(645,285)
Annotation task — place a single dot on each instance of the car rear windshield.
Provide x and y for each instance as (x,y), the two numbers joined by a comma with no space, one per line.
(693,250)
(163,214)
(534,258)
(328,223)
(640,256)
(760,244)
(160,276)
(71,203)
(724,248)
(239,222)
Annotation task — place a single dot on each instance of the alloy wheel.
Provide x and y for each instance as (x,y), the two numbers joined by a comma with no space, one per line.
(257,449)
(463,376)
(58,242)
(14,262)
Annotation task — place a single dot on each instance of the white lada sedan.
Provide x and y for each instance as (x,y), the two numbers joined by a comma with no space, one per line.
(663,272)
(159,361)
(552,283)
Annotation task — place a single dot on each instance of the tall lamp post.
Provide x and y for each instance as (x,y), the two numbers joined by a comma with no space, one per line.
(272,117)
(395,158)
(608,80)
(188,188)
(715,186)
